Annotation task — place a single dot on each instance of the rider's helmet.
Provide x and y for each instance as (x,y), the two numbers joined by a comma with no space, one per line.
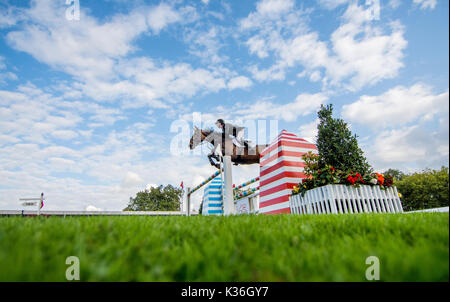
(220,122)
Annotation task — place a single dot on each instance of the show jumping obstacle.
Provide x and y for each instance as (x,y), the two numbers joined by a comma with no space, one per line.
(281,168)
(190,192)
(226,187)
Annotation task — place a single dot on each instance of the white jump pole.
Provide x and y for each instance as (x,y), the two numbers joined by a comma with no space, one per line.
(228,198)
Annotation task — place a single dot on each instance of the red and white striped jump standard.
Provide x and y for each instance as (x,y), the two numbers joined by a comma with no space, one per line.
(281,168)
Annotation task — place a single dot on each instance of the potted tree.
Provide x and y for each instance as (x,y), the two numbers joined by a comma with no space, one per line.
(339,178)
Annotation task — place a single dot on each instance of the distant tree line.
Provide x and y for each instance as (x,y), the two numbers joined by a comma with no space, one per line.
(422,190)
(162,198)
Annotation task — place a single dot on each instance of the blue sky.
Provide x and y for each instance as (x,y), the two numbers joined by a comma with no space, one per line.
(87,106)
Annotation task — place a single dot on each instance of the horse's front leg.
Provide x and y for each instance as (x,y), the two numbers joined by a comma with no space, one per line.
(212,162)
(210,158)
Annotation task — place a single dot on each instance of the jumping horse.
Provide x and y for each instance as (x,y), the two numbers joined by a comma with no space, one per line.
(246,155)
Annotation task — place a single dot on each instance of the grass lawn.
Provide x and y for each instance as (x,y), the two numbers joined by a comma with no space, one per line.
(410,247)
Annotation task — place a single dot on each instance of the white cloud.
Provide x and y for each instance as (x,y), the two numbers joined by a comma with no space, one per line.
(426,4)
(8,139)
(93,208)
(31,115)
(303,105)
(64,134)
(359,53)
(268,74)
(410,147)
(85,49)
(169,82)
(161,16)
(395,3)
(113,163)
(206,44)
(398,106)
(274,7)
(309,131)
(96,54)
(266,10)
(332,4)
(410,127)
(315,76)
(58,164)
(257,46)
(239,82)
(4,74)
(9,17)
(132,179)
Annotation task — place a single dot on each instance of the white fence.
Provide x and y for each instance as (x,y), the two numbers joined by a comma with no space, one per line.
(339,199)
(433,210)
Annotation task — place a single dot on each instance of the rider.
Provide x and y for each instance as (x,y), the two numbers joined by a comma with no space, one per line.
(232,130)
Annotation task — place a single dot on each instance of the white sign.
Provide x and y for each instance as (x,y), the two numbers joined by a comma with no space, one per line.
(242,206)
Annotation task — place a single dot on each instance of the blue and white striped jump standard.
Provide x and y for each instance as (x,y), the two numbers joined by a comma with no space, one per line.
(212,198)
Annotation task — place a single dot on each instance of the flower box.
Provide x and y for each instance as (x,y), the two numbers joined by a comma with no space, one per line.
(340,199)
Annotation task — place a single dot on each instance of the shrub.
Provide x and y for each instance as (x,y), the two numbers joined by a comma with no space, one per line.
(428,189)
(161,198)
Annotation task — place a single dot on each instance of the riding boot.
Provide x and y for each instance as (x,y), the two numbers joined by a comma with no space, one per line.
(238,159)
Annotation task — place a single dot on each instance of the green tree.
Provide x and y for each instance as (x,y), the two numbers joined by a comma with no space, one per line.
(396,174)
(336,144)
(428,189)
(161,198)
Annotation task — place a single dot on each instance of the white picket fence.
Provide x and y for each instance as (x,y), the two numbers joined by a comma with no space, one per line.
(339,199)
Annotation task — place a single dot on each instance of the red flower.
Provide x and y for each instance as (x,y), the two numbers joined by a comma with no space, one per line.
(351,179)
(380,178)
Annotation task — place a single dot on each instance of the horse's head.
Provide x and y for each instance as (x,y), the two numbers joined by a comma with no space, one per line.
(196,138)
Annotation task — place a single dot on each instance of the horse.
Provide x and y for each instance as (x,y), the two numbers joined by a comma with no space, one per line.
(246,155)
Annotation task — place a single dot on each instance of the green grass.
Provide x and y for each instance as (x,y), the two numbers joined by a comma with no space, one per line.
(411,247)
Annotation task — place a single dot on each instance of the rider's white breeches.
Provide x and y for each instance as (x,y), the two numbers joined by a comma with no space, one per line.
(239,141)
